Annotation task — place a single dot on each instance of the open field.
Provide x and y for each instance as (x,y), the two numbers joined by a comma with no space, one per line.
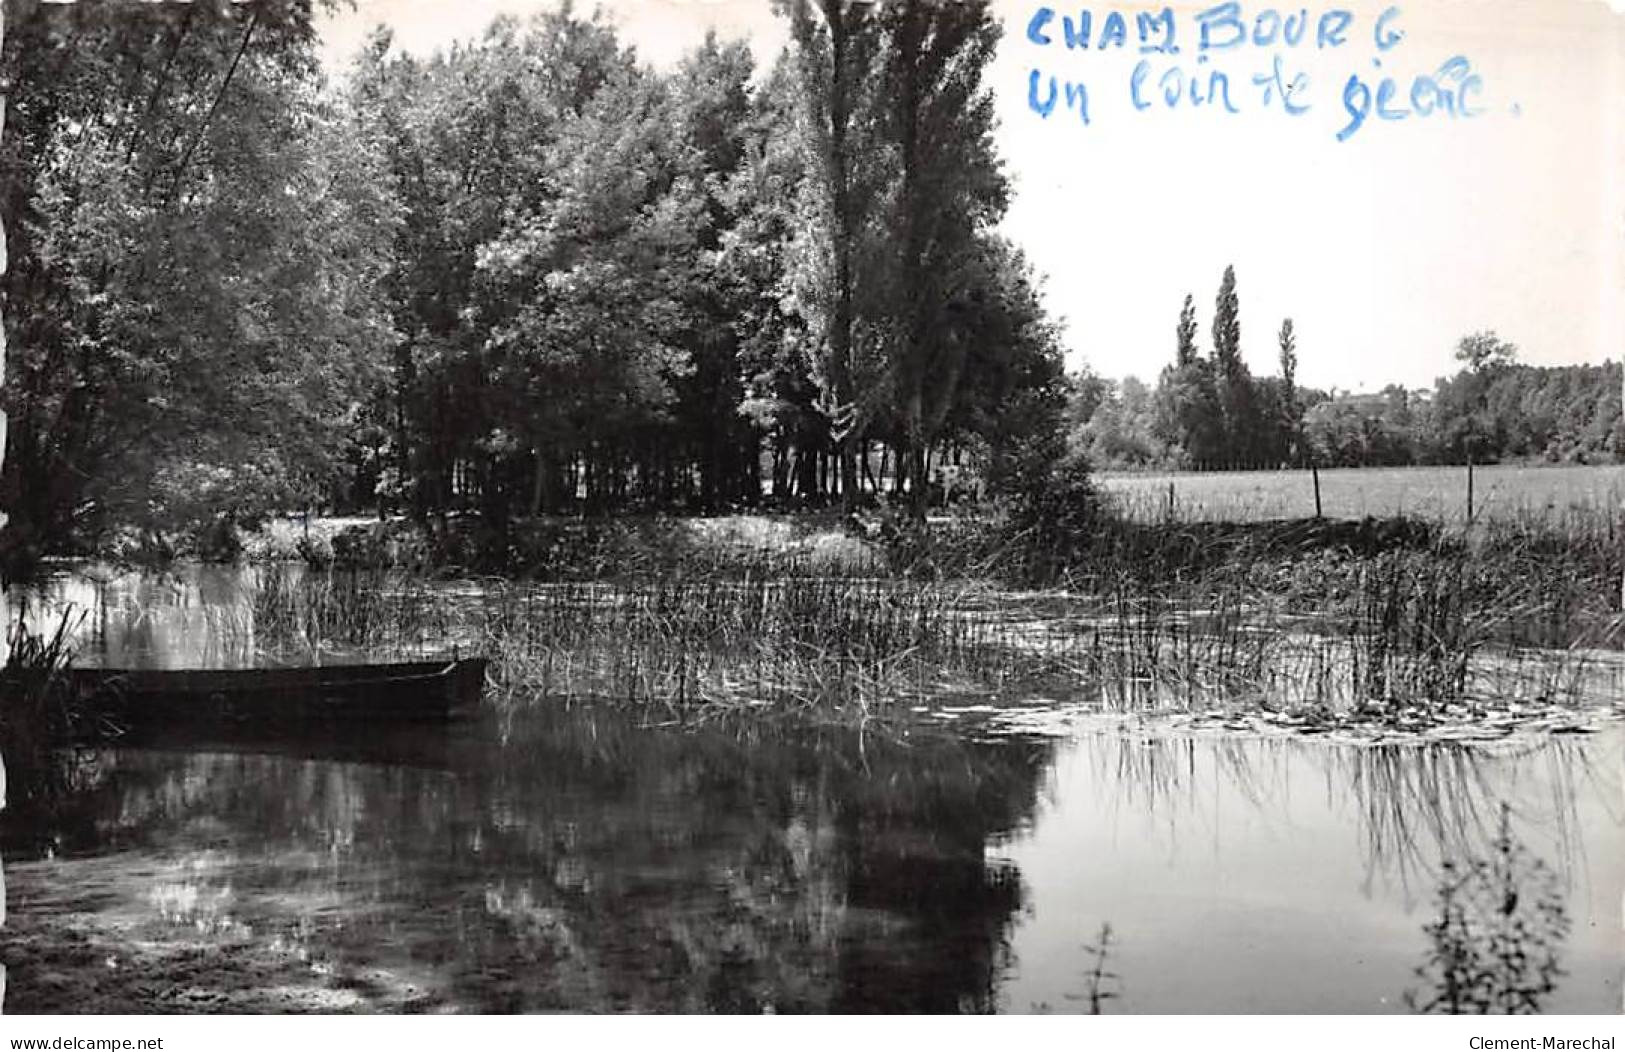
(1429,492)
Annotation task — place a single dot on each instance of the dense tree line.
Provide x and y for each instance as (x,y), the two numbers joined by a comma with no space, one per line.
(524,275)
(1210,413)
(194,249)
(1562,415)
(618,288)
(1207,412)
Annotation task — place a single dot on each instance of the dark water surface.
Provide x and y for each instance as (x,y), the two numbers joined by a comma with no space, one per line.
(579,858)
(590,863)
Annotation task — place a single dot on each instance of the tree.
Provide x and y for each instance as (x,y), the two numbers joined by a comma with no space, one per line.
(1189,409)
(192,274)
(1235,382)
(712,115)
(839,290)
(1363,430)
(1121,432)
(1012,407)
(1190,413)
(1485,356)
(1485,352)
(776,345)
(1227,328)
(590,295)
(940,117)
(1185,351)
(1291,419)
(491,148)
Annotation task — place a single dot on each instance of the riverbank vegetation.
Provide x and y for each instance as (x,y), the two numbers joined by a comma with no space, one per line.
(43,716)
(1307,626)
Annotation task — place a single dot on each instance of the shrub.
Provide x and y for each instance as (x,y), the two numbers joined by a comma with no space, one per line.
(1053,513)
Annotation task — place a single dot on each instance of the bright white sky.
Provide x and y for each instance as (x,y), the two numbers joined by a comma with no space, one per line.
(1385,249)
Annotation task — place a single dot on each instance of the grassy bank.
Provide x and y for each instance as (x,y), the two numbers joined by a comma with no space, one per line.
(1400,623)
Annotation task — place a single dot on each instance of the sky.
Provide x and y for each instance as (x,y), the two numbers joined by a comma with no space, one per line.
(1384,247)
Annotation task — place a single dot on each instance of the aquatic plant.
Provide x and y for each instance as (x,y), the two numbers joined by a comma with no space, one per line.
(694,644)
(42,715)
(1400,641)
(1100,983)
(1495,944)
(1395,623)
(294,609)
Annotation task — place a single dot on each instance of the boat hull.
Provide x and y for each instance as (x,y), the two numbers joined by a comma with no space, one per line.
(415,692)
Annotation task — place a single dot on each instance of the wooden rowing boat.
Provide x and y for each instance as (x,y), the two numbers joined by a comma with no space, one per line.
(416,691)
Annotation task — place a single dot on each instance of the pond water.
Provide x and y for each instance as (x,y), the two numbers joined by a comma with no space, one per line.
(585,859)
(198,616)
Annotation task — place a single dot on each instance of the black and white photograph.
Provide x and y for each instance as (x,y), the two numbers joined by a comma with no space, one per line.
(835,507)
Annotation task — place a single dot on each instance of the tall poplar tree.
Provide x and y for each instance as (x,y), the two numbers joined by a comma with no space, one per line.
(1292,411)
(1236,384)
(838,46)
(1185,350)
(938,117)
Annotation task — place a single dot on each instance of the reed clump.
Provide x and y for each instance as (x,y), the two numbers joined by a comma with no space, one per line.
(797,641)
(294,610)
(43,716)
(1396,623)
(1400,639)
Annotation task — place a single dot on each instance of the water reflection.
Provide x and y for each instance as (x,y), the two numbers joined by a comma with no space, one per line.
(197,617)
(209,616)
(587,864)
(1285,875)
(1495,944)
(581,861)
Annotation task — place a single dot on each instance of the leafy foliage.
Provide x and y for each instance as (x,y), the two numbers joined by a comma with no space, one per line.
(522,276)
(199,233)
(783,273)
(1494,947)
(1210,413)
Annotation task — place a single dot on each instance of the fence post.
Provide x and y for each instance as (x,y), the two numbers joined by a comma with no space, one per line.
(1314,472)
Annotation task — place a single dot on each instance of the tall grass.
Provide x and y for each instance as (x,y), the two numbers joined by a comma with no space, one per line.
(294,612)
(1399,640)
(1396,622)
(42,714)
(681,643)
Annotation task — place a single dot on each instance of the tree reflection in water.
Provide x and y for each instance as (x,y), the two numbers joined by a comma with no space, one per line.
(1310,860)
(588,863)
(1413,804)
(578,860)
